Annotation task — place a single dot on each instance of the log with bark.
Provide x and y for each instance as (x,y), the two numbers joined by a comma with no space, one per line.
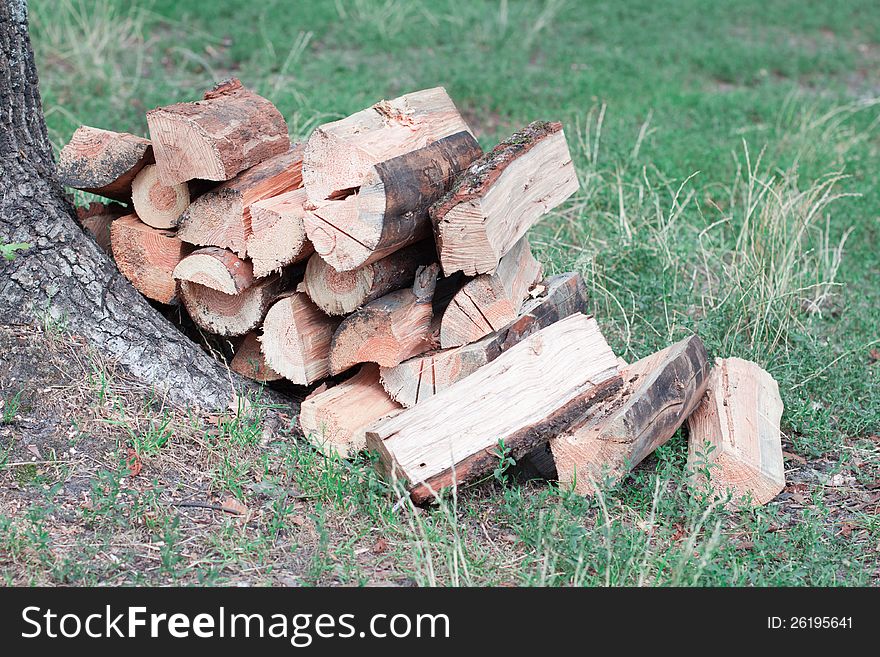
(96,219)
(490,301)
(229,131)
(222,217)
(335,420)
(371,177)
(390,329)
(158,205)
(278,236)
(343,292)
(250,362)
(103,162)
(527,395)
(734,434)
(230,314)
(500,196)
(147,256)
(296,338)
(659,393)
(216,268)
(419,378)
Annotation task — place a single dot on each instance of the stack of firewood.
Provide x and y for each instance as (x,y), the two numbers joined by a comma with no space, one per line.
(389,258)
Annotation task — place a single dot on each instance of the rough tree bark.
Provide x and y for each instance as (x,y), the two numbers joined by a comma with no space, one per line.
(64,273)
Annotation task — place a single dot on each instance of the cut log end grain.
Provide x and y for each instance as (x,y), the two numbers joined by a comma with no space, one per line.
(229,131)
(217,269)
(390,329)
(343,292)
(335,420)
(423,376)
(528,394)
(296,339)
(735,435)
(249,361)
(96,219)
(147,256)
(500,196)
(222,217)
(659,393)
(229,314)
(158,205)
(278,236)
(490,301)
(103,162)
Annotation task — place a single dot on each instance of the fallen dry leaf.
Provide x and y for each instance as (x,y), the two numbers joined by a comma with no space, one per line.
(234,505)
(380,546)
(33,449)
(795,457)
(134,463)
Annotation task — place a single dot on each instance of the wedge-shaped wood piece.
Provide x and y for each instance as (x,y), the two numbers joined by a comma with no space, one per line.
(735,434)
(103,162)
(343,292)
(222,217)
(490,301)
(229,131)
(147,256)
(230,314)
(335,420)
(421,377)
(296,339)
(659,392)
(96,219)
(249,361)
(278,235)
(527,395)
(158,205)
(217,269)
(500,196)
(390,329)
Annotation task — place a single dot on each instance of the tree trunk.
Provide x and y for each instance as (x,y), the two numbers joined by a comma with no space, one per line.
(64,273)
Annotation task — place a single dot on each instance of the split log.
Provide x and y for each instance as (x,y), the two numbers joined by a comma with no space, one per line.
(335,420)
(390,329)
(229,131)
(249,361)
(500,196)
(158,205)
(96,219)
(222,217)
(524,397)
(735,434)
(343,292)
(419,378)
(659,392)
(278,236)
(147,256)
(296,339)
(103,162)
(230,314)
(217,269)
(490,301)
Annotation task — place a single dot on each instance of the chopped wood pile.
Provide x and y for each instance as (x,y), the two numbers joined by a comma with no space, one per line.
(388,259)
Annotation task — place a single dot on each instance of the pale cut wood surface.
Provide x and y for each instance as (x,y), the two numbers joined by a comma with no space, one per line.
(490,301)
(501,196)
(222,217)
(158,205)
(296,339)
(739,418)
(278,237)
(229,314)
(230,130)
(103,162)
(659,393)
(216,268)
(424,376)
(147,256)
(96,219)
(528,394)
(249,361)
(335,420)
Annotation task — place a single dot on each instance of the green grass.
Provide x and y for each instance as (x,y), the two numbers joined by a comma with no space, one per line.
(728,159)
